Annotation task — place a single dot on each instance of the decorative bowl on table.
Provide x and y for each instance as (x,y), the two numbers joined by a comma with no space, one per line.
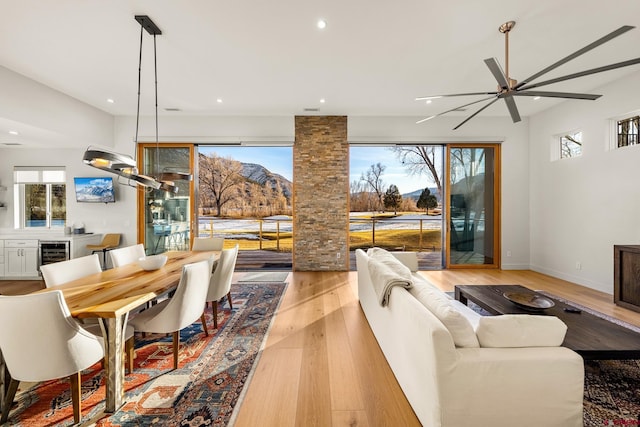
(152,262)
(529,301)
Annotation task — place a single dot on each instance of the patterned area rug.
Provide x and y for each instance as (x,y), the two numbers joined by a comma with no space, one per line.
(269,276)
(202,392)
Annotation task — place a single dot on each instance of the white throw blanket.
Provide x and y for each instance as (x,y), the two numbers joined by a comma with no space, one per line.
(384,277)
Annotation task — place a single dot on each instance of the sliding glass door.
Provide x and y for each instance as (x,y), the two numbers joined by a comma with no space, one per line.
(473,210)
(165,219)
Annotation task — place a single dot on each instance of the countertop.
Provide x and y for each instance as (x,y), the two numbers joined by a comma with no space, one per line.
(46,236)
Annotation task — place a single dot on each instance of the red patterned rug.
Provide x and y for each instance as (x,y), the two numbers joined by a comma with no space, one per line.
(202,392)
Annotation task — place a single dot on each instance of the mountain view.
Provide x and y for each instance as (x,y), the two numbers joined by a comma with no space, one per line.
(261,175)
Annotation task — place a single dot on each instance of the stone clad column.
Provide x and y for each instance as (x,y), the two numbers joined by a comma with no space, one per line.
(321,194)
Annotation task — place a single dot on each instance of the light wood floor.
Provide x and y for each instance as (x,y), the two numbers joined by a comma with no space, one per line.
(322,365)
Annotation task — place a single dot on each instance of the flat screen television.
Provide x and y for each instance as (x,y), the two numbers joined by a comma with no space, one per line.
(94,189)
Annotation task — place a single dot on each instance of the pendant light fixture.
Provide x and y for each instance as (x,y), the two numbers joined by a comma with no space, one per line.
(126,166)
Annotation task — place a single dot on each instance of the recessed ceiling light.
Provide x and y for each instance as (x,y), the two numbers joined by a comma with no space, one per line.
(535,98)
(110,101)
(322,101)
(219,100)
(13,132)
(322,24)
(429,101)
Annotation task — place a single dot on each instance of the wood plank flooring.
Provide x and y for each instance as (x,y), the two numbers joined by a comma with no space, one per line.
(322,366)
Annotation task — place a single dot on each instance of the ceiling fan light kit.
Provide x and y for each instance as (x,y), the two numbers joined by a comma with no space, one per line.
(509,88)
(126,166)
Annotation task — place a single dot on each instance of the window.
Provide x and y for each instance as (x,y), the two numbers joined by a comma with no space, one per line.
(40,194)
(571,145)
(628,131)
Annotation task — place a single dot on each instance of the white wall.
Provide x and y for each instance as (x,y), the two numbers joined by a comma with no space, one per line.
(45,117)
(119,217)
(581,207)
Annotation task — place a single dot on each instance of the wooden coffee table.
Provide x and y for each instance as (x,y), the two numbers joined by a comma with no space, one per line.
(590,336)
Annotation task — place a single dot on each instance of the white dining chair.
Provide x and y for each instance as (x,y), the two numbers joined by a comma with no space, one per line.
(61,272)
(43,343)
(176,313)
(208,244)
(127,255)
(220,281)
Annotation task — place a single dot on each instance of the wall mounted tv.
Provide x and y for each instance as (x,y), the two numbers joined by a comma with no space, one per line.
(94,190)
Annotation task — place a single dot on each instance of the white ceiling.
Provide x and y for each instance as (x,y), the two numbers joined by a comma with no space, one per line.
(269,58)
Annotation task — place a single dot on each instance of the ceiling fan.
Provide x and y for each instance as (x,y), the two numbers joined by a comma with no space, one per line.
(509,88)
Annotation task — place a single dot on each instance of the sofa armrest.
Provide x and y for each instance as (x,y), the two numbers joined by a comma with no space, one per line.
(527,386)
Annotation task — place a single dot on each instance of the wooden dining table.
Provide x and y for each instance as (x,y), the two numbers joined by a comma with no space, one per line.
(110,295)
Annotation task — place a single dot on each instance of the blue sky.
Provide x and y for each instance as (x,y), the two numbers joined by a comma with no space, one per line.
(279,160)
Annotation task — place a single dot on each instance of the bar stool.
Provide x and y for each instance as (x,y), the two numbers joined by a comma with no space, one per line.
(109,241)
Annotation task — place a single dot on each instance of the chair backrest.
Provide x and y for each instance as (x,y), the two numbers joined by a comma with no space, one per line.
(110,240)
(208,244)
(126,255)
(187,304)
(41,341)
(220,281)
(67,271)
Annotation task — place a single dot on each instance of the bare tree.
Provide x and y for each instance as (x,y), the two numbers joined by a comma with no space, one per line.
(361,199)
(422,159)
(373,178)
(220,180)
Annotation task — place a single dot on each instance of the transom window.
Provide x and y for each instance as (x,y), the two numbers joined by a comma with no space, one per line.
(571,145)
(628,131)
(40,195)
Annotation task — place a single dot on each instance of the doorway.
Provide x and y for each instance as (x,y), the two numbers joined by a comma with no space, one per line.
(166,220)
(473,211)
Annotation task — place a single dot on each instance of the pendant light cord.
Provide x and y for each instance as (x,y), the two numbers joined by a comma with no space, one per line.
(139,80)
(155,71)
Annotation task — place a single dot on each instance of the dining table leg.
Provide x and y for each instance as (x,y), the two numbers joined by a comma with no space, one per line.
(113,333)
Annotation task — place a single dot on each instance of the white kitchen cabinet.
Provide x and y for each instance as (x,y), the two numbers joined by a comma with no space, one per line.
(1,258)
(21,258)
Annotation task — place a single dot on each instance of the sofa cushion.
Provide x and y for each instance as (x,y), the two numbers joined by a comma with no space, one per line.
(386,258)
(437,303)
(520,330)
(472,316)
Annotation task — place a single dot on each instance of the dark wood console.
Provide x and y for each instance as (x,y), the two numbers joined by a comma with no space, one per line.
(626,276)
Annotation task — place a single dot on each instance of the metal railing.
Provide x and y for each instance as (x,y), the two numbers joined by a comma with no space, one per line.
(277,234)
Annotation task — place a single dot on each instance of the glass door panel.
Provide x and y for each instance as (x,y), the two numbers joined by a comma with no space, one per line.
(167,217)
(473,211)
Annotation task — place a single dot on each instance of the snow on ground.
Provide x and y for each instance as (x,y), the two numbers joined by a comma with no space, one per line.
(251,227)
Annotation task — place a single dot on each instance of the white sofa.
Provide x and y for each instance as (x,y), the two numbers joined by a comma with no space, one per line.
(510,370)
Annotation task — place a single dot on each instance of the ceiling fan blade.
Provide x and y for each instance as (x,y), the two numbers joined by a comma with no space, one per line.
(453,109)
(475,114)
(577,53)
(497,72)
(424,98)
(513,108)
(556,94)
(583,73)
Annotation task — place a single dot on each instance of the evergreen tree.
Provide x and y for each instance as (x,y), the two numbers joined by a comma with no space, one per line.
(427,200)
(392,198)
